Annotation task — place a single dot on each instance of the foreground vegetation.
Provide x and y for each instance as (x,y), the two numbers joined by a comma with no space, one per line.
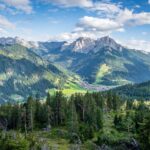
(81,121)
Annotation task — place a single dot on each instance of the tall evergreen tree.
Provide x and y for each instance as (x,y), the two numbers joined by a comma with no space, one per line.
(30,113)
(72,118)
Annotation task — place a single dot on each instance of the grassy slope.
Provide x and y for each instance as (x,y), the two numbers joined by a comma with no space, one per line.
(70,88)
(102,71)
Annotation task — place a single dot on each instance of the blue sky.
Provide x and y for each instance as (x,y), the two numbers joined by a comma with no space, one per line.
(127,21)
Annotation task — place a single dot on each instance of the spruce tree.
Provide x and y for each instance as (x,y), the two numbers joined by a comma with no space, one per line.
(72,118)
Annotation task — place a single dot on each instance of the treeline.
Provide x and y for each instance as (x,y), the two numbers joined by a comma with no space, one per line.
(136,91)
(82,115)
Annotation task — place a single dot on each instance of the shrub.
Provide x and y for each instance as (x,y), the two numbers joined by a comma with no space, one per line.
(10,144)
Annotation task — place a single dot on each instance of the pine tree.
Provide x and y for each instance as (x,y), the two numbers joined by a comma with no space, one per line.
(99,118)
(58,108)
(72,118)
(91,110)
(24,119)
(37,111)
(129,104)
(16,117)
(109,101)
(48,99)
(145,132)
(30,113)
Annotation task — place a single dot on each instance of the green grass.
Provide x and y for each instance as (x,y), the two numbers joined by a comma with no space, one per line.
(103,70)
(70,88)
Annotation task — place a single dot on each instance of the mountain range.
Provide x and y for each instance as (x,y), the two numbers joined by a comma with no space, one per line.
(27,68)
(99,62)
(24,73)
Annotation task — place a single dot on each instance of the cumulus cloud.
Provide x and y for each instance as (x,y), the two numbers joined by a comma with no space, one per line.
(148,1)
(100,7)
(124,18)
(128,17)
(111,17)
(89,4)
(98,24)
(23,5)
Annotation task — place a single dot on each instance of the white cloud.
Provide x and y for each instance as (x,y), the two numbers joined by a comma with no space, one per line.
(72,3)
(89,4)
(118,22)
(148,1)
(23,5)
(104,7)
(74,35)
(98,24)
(137,44)
(107,9)
(127,17)
(5,23)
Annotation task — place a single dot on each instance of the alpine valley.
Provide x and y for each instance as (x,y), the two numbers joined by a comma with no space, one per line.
(24,73)
(99,62)
(28,68)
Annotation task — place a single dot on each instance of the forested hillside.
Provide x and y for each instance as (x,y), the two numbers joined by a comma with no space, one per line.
(135,91)
(24,73)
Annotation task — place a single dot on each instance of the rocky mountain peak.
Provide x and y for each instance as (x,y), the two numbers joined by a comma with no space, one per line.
(108,42)
(82,45)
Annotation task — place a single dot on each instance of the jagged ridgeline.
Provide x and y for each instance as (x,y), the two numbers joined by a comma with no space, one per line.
(101,62)
(24,73)
(25,67)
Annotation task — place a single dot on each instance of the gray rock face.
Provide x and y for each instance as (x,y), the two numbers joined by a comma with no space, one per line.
(86,45)
(107,42)
(81,45)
